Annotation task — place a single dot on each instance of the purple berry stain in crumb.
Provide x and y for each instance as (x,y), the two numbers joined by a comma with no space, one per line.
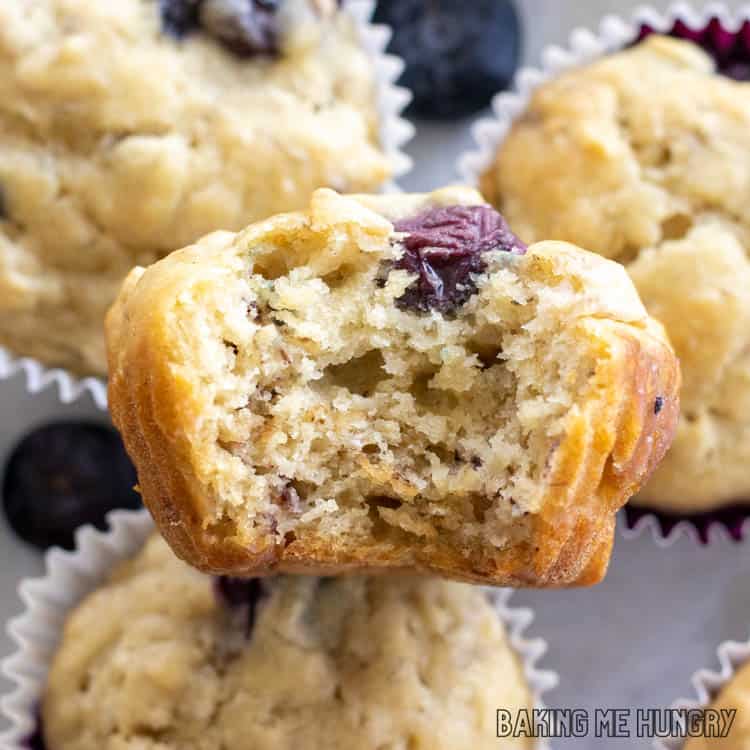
(444,246)
(242,594)
(730,49)
(246,28)
(64,475)
(290,499)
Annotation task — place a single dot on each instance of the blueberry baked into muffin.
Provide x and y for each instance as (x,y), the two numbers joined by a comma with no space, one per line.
(644,156)
(130,128)
(390,382)
(162,656)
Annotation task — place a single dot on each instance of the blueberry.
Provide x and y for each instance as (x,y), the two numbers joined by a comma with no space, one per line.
(179,17)
(242,594)
(443,247)
(245,27)
(458,54)
(62,476)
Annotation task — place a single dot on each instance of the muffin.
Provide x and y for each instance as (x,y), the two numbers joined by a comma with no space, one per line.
(642,156)
(734,696)
(164,657)
(390,382)
(130,128)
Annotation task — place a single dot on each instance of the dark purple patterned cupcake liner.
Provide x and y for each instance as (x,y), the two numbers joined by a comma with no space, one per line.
(729,48)
(730,522)
(725,35)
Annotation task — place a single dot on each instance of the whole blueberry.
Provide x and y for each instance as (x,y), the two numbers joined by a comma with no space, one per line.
(243,594)
(179,17)
(245,27)
(444,248)
(458,54)
(62,476)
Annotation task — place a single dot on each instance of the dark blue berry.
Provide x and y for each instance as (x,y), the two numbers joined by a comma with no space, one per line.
(242,594)
(179,17)
(658,404)
(444,248)
(245,27)
(458,54)
(62,476)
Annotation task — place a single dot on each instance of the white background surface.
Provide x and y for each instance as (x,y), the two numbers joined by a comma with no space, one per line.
(632,641)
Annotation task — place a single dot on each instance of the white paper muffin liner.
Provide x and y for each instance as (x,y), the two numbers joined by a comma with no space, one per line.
(38,378)
(395,132)
(584,46)
(708,683)
(71,575)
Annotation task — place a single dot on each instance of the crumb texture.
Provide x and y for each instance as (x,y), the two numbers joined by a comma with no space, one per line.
(643,157)
(319,419)
(154,660)
(120,143)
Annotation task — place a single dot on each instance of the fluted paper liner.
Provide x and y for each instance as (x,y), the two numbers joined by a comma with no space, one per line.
(707,684)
